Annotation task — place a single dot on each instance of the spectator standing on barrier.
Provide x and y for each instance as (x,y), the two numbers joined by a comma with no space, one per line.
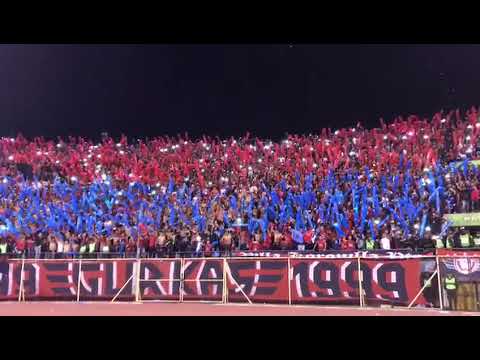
(20,246)
(38,238)
(385,242)
(208,250)
(122,247)
(450,284)
(370,244)
(52,247)
(475,197)
(449,241)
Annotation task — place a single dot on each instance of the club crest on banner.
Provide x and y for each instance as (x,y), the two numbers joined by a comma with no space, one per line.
(466,266)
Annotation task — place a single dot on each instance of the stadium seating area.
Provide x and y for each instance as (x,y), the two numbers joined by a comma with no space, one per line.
(346,189)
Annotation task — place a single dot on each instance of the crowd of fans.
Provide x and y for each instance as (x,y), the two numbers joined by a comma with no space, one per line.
(347,189)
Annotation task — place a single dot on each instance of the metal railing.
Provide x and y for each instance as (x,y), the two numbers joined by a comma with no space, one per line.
(143,253)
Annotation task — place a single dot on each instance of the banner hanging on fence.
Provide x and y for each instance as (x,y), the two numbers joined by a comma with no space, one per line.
(464,265)
(265,280)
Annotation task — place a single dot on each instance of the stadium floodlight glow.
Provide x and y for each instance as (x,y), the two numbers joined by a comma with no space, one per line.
(469,126)
(3,227)
(468,137)
(198,238)
(385,137)
(428,228)
(353,129)
(117,202)
(10,158)
(239,220)
(132,183)
(121,152)
(259,160)
(209,183)
(443,121)
(119,145)
(425,137)
(120,193)
(5,181)
(304,160)
(404,151)
(477,125)
(337,132)
(315,165)
(89,156)
(428,181)
(311,148)
(154,192)
(39,153)
(157,184)
(377,221)
(352,153)
(447,176)
(416,226)
(57,162)
(410,133)
(185,142)
(73,178)
(249,168)
(99,156)
(59,145)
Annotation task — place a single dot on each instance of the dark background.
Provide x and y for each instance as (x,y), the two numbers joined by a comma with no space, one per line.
(268,90)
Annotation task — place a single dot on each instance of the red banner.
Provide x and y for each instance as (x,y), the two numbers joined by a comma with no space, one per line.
(337,280)
(261,280)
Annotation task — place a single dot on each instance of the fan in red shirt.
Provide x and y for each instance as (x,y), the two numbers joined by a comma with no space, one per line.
(207,252)
(321,242)
(347,243)
(475,197)
(307,239)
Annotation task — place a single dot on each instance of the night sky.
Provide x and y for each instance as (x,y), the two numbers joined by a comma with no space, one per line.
(268,90)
